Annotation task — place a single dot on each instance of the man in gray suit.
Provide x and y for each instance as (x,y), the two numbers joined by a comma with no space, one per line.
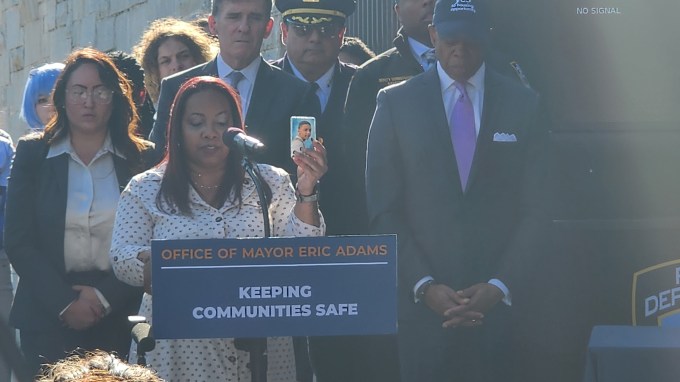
(269,96)
(452,170)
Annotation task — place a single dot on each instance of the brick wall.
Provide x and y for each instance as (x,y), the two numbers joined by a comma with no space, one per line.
(34,32)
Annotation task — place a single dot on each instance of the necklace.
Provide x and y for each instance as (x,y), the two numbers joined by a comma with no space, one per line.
(202,186)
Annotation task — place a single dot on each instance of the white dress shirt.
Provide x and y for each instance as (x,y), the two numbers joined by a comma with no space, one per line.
(474,87)
(325,82)
(245,87)
(418,49)
(91,201)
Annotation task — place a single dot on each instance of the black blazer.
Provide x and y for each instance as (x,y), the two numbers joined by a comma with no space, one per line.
(276,97)
(334,184)
(413,187)
(388,68)
(34,237)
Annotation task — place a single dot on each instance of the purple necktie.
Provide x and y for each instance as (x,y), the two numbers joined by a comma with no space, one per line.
(463,133)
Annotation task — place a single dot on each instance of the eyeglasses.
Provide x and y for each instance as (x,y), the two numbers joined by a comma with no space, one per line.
(327,30)
(78,94)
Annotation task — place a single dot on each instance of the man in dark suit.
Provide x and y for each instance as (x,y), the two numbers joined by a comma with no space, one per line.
(408,58)
(269,96)
(452,169)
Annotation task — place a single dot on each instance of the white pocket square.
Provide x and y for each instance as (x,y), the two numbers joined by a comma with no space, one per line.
(504,137)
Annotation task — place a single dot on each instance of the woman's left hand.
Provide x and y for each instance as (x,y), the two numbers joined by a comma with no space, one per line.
(312,165)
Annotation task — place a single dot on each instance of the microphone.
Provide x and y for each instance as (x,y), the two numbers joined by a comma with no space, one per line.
(143,338)
(237,138)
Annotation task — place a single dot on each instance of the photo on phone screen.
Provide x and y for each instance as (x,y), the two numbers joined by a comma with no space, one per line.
(302,132)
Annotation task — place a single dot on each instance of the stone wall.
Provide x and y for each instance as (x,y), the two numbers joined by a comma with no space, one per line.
(34,32)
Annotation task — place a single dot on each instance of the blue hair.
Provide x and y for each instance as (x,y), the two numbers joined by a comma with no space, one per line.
(40,82)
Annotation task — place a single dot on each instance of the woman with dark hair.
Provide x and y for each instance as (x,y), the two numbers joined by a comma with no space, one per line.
(354,51)
(200,191)
(62,197)
(169,46)
(129,66)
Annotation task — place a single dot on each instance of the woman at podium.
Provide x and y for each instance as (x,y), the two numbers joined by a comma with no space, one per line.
(201,191)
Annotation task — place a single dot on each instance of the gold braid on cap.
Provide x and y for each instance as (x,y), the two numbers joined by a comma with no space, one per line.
(313,11)
(310,19)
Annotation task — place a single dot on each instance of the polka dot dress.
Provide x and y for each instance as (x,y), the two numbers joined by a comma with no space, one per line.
(138,221)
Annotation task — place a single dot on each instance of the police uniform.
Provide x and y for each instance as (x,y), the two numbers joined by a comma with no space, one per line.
(329,127)
(341,358)
(390,67)
(318,13)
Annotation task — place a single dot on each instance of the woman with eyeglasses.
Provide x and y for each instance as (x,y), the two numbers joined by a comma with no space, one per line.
(36,108)
(62,197)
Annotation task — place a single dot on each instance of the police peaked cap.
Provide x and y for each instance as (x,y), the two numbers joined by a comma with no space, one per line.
(315,11)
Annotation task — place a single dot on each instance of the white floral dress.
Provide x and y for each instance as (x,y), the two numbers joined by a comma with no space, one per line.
(138,220)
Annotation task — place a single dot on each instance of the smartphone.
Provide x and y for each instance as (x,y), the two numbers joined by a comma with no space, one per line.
(302,133)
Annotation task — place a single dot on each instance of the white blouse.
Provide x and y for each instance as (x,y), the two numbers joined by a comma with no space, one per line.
(138,220)
(92,196)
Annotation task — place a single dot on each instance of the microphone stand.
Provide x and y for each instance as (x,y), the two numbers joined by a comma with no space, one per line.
(257,347)
(249,166)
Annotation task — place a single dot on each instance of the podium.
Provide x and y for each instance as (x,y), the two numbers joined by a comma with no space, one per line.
(633,353)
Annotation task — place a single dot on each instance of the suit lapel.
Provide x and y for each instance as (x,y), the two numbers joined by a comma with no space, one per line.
(487,123)
(286,66)
(261,97)
(439,137)
(122,171)
(54,187)
(339,85)
(210,68)
(57,171)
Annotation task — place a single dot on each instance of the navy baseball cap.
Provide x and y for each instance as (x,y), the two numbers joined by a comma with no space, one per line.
(314,12)
(461,19)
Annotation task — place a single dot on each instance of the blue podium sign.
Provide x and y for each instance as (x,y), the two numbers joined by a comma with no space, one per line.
(303,286)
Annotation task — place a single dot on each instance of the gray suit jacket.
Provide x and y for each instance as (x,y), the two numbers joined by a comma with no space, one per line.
(413,188)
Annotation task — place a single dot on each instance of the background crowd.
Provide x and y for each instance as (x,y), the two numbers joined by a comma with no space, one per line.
(128,148)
